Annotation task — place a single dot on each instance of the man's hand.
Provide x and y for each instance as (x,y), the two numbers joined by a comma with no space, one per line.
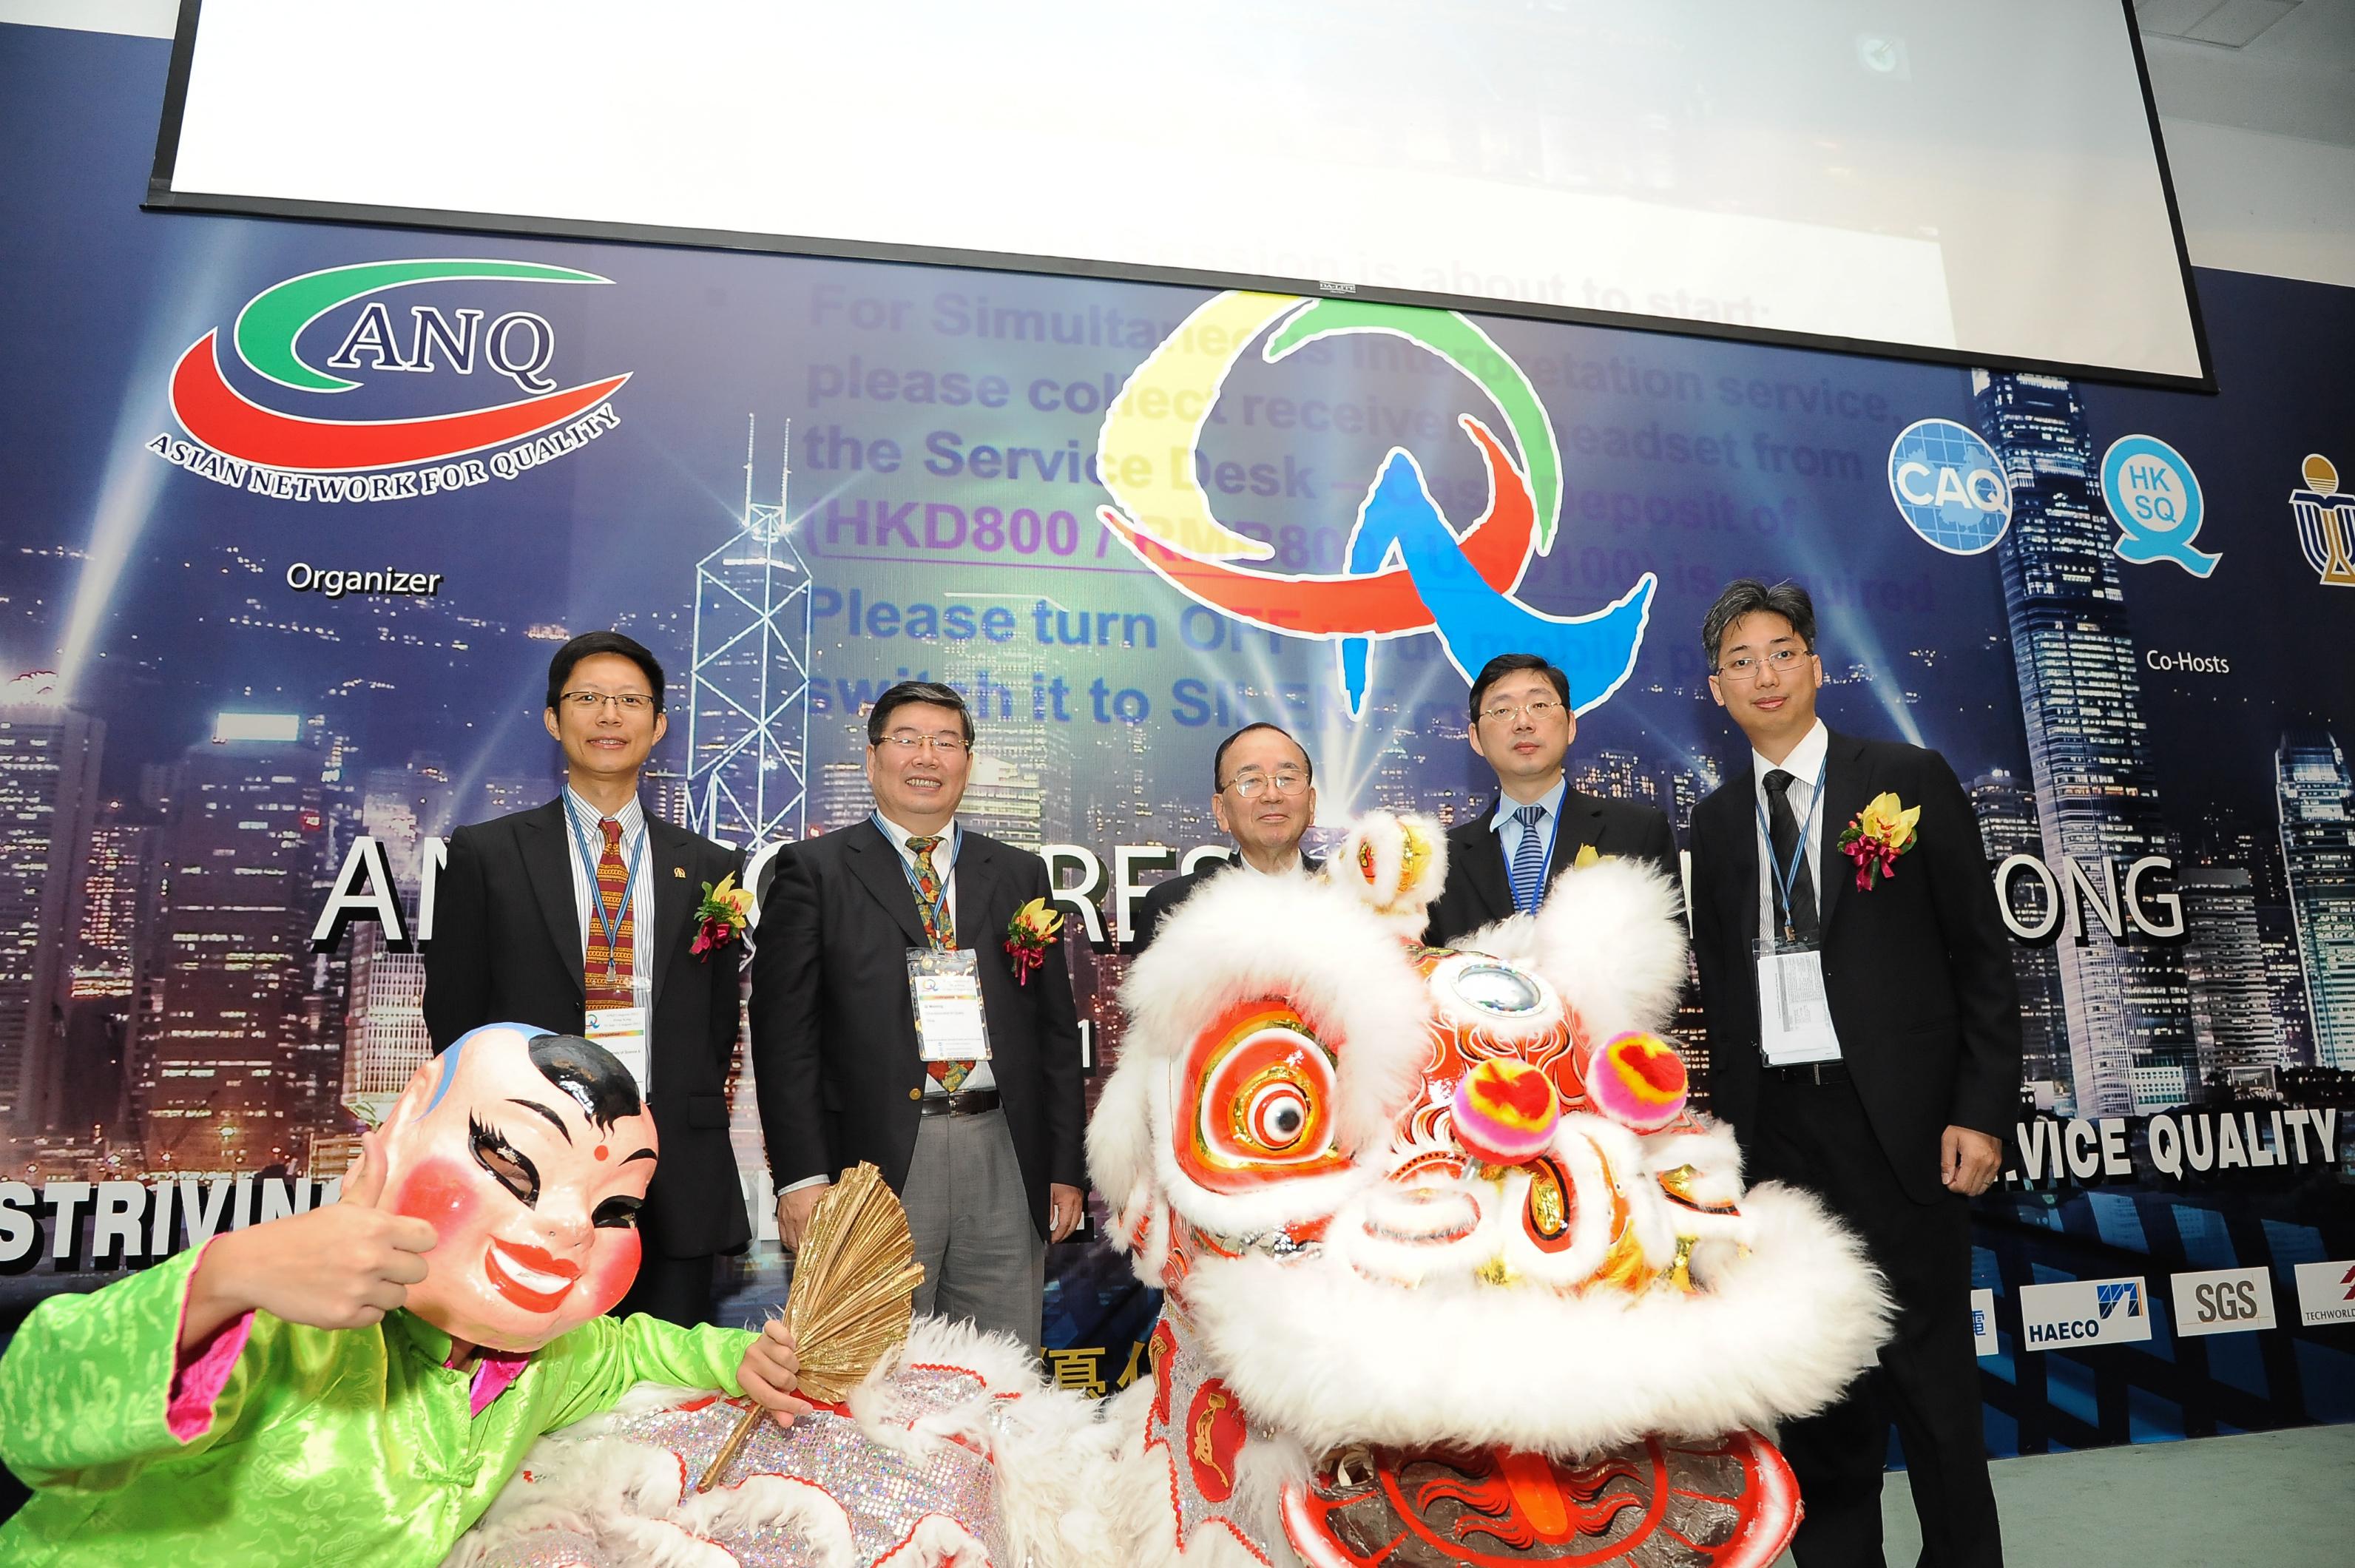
(771,1370)
(794,1210)
(343,1266)
(1065,1207)
(1968,1160)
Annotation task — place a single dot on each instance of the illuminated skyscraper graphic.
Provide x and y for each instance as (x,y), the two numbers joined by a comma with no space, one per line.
(48,790)
(748,692)
(385,1036)
(2232,1026)
(2318,843)
(2127,1000)
(2006,814)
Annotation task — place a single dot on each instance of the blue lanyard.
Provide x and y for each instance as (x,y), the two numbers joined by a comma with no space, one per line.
(1785,881)
(612,928)
(1554,826)
(908,867)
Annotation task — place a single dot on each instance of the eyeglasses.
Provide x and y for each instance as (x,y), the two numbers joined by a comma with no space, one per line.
(1251,785)
(1745,666)
(908,741)
(1543,708)
(589,701)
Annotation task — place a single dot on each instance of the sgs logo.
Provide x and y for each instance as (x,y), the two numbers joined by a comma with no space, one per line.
(2224,1301)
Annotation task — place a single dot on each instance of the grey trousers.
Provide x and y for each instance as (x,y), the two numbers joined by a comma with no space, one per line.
(983,1258)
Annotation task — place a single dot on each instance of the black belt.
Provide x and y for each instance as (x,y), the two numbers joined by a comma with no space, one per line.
(1807,1073)
(963,1103)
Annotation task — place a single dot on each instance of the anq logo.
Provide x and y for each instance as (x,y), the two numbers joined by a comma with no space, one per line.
(270,450)
(1406,571)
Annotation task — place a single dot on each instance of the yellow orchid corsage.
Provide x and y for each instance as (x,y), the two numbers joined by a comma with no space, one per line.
(1028,934)
(1876,836)
(722,916)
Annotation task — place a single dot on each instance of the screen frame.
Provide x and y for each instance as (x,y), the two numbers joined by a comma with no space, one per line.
(164,197)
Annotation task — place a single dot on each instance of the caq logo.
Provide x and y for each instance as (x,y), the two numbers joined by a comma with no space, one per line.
(2153,497)
(1948,487)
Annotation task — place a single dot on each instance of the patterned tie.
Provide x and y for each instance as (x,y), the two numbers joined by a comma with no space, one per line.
(1783,826)
(940,930)
(1529,861)
(606,975)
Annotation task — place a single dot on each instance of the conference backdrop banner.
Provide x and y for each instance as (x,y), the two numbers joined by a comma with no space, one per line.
(294,514)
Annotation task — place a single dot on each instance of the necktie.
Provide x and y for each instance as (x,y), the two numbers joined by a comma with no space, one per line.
(940,930)
(605,972)
(1783,826)
(1529,861)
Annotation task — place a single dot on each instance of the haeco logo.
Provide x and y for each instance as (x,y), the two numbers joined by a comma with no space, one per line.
(243,441)
(1948,487)
(1406,571)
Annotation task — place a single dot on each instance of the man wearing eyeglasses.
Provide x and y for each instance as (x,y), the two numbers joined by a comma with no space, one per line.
(975,1117)
(1864,1042)
(1500,862)
(577,917)
(1263,795)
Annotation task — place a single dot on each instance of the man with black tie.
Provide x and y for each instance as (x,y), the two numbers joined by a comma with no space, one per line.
(1263,795)
(1501,861)
(577,917)
(975,1119)
(1864,1042)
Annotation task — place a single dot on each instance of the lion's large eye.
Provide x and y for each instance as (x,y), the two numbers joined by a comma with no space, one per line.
(1257,1099)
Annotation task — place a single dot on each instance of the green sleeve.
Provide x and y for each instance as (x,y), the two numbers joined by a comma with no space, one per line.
(605,1358)
(85,1388)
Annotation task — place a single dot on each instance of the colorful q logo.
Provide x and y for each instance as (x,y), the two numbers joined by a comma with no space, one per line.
(2153,497)
(1948,487)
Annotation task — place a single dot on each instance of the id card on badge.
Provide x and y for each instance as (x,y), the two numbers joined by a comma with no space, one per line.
(945,985)
(1795,1017)
(623,1031)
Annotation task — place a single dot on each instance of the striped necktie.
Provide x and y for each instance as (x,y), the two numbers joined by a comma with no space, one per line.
(605,973)
(940,930)
(1529,861)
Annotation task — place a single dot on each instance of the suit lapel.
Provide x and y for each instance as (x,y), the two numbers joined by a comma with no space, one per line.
(547,846)
(676,895)
(1581,825)
(1741,876)
(1483,851)
(976,875)
(1847,785)
(877,864)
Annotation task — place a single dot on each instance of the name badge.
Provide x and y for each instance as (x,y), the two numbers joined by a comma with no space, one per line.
(623,1031)
(945,985)
(1795,1017)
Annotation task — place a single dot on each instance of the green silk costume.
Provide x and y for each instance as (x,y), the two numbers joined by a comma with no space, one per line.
(323,1445)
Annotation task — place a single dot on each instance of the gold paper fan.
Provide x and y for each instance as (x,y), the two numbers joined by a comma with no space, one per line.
(855,1279)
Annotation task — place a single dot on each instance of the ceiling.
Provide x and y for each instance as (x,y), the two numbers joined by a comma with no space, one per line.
(2283,66)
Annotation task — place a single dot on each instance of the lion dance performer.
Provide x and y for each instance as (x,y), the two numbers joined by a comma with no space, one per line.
(356,1384)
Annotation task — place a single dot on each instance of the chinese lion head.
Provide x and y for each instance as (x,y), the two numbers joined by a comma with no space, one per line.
(1453,1275)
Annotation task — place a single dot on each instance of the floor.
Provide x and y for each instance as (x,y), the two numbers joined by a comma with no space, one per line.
(2285,1500)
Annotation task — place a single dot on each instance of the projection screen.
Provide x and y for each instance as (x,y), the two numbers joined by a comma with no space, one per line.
(1978,184)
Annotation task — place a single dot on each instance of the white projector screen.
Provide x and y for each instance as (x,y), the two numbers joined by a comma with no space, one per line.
(1979,183)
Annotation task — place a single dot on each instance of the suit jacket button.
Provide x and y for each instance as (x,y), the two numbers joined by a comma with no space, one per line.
(916,1094)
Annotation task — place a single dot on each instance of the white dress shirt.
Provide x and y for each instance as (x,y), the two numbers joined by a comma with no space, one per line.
(1805,766)
(587,839)
(943,866)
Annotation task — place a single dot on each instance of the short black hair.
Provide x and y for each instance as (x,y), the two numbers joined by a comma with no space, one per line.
(908,691)
(1748,596)
(588,644)
(1218,757)
(586,1070)
(1503,664)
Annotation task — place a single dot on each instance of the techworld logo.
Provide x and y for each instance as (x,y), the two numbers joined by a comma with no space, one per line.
(2084,1312)
(299,455)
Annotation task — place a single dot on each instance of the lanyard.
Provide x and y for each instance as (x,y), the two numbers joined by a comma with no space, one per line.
(1554,826)
(612,928)
(908,867)
(1785,881)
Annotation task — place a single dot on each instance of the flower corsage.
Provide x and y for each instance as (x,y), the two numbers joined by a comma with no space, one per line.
(721,917)
(1034,925)
(1876,836)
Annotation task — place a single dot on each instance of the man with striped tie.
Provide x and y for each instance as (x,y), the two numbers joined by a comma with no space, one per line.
(577,916)
(982,1149)
(1501,861)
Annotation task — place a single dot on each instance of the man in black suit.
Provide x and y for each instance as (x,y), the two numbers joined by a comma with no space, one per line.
(1501,861)
(984,1152)
(1263,795)
(587,904)
(1887,1098)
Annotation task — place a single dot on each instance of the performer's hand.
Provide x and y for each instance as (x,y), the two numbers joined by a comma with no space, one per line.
(1968,1160)
(771,1371)
(794,1210)
(342,1266)
(1065,1207)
